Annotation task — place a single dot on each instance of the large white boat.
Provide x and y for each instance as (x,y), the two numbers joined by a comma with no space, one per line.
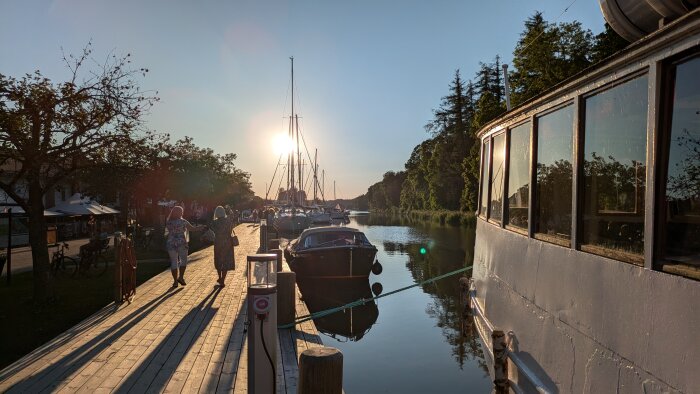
(587,251)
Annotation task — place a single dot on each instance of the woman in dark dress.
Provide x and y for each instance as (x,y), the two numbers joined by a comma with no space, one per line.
(223,245)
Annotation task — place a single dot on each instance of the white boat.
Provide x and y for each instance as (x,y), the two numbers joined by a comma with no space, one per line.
(318,215)
(587,251)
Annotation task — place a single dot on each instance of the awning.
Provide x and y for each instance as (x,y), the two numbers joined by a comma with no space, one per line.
(79,205)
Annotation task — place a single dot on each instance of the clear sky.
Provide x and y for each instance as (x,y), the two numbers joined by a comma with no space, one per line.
(368,73)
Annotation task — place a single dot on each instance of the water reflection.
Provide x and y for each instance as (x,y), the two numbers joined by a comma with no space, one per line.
(351,324)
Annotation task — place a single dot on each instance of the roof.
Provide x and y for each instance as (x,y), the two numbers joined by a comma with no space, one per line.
(327,229)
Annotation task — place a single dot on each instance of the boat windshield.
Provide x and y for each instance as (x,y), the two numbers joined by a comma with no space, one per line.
(334,238)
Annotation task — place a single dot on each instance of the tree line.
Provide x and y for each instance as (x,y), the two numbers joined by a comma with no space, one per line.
(442,172)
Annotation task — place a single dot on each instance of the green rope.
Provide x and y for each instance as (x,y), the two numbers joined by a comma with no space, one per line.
(361,301)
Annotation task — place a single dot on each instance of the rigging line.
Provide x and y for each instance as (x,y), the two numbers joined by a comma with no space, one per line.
(304,141)
(267,193)
(284,167)
(543,30)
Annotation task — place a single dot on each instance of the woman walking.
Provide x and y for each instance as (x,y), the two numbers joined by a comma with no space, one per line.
(224,259)
(177,244)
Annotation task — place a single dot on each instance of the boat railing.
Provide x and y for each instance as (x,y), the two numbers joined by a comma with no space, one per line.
(486,328)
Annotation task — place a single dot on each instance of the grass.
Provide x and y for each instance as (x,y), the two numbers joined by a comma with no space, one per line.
(25,326)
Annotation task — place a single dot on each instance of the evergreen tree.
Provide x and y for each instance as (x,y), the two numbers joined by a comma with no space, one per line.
(607,43)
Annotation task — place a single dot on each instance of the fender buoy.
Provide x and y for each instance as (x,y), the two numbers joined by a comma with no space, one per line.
(377,288)
(377,268)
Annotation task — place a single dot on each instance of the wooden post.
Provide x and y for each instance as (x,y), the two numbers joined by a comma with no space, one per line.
(278,252)
(9,246)
(117,268)
(321,371)
(286,297)
(500,362)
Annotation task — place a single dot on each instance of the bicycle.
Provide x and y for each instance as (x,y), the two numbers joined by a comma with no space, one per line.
(144,238)
(60,263)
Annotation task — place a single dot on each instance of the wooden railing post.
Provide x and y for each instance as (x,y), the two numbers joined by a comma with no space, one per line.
(321,371)
(117,268)
(500,362)
(286,297)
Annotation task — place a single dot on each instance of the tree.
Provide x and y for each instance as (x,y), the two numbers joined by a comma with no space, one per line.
(607,43)
(53,130)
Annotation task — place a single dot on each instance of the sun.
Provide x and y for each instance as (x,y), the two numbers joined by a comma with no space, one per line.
(282,144)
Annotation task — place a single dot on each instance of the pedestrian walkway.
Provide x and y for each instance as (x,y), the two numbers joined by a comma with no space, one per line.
(189,339)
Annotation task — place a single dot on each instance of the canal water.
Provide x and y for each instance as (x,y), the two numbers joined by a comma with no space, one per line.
(413,341)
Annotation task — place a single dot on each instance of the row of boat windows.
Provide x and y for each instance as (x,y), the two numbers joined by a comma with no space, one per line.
(613,167)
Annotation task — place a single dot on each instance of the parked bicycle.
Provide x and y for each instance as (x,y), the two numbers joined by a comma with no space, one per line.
(143,238)
(62,265)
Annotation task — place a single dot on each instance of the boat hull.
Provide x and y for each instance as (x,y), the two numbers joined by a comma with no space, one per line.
(585,323)
(291,224)
(332,262)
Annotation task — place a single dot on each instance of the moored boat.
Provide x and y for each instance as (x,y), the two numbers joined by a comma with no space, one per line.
(587,251)
(331,252)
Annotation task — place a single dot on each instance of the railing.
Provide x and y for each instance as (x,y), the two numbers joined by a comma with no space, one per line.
(487,330)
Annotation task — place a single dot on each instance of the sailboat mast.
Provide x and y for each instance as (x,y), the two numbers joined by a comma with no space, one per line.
(301,187)
(323,185)
(315,175)
(291,136)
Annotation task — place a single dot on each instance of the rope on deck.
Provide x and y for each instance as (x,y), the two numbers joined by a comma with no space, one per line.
(361,301)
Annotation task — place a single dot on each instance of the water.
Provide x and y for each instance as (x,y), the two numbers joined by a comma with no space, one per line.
(410,342)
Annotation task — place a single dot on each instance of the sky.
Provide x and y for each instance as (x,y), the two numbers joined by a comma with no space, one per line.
(367,73)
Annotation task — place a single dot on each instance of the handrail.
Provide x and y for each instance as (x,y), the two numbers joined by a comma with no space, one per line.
(523,369)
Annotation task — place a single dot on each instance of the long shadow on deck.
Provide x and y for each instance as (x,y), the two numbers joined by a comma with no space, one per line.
(53,376)
(154,372)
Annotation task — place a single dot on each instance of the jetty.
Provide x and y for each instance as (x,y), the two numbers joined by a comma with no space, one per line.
(188,339)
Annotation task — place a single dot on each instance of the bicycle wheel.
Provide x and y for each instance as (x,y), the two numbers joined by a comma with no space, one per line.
(69,265)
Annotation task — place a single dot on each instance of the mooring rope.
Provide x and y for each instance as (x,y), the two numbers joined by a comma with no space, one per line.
(361,301)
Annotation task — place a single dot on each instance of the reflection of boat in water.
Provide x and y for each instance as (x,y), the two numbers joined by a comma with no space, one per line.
(592,274)
(331,252)
(351,324)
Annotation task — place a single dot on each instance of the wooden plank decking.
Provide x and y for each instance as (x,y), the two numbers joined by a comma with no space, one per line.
(189,339)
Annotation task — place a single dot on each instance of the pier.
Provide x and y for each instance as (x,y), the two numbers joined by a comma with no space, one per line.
(188,339)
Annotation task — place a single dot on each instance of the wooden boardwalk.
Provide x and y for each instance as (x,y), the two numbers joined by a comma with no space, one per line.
(189,339)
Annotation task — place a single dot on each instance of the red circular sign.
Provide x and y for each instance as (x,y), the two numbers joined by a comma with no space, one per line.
(261,303)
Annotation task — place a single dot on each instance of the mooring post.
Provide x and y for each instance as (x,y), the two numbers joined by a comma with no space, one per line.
(117,268)
(278,252)
(500,362)
(273,243)
(286,297)
(321,371)
(8,262)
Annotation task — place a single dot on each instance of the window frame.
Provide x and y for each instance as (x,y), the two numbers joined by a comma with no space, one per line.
(534,146)
(506,214)
(617,255)
(667,69)
(485,153)
(505,170)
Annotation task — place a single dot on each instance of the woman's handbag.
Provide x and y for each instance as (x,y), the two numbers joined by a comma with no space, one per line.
(234,239)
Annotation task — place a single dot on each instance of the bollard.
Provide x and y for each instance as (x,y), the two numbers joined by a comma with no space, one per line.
(117,268)
(278,252)
(500,362)
(286,297)
(321,371)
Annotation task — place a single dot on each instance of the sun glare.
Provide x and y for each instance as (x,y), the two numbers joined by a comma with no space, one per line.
(282,144)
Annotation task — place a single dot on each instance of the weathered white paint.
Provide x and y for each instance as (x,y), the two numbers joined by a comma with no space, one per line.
(586,323)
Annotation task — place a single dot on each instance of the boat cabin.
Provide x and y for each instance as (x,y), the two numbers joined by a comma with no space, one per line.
(608,162)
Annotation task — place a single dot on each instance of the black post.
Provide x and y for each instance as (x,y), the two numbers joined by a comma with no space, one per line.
(9,245)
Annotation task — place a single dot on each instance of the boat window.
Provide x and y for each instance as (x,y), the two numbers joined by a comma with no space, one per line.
(681,234)
(519,175)
(614,170)
(498,168)
(334,238)
(485,159)
(554,174)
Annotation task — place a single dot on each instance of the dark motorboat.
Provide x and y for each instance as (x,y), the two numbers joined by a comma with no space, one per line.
(350,324)
(332,252)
